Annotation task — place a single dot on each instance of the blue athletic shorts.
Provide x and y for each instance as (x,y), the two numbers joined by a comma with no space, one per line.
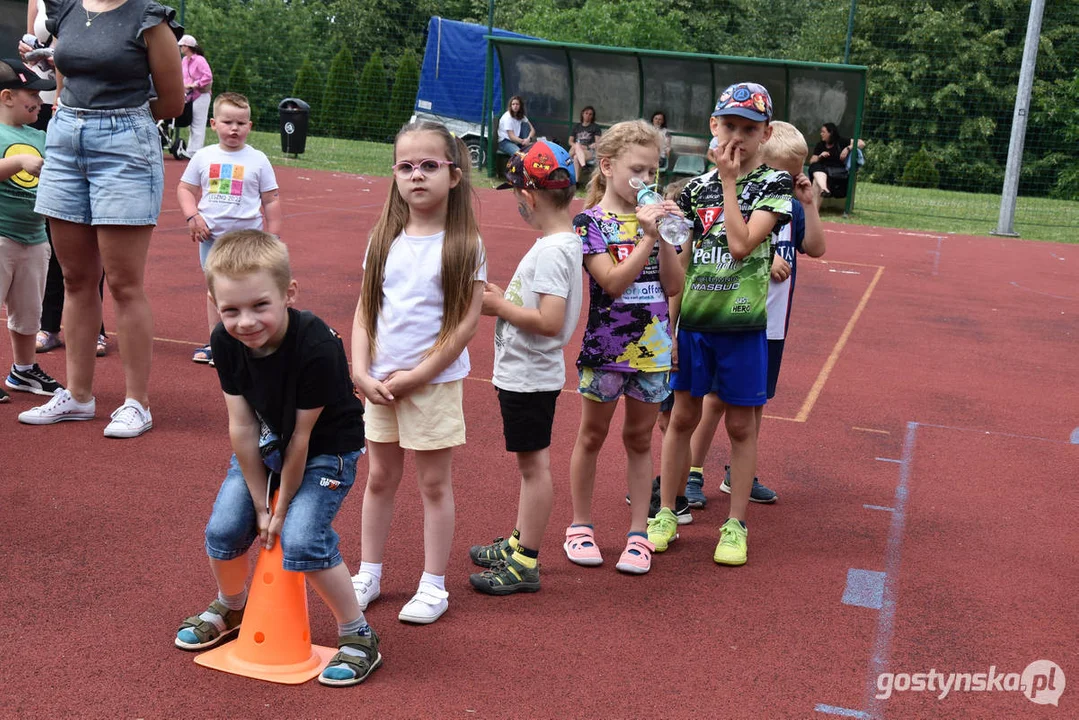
(734,366)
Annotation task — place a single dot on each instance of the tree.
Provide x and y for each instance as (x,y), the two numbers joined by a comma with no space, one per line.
(405,86)
(374,102)
(340,98)
(310,86)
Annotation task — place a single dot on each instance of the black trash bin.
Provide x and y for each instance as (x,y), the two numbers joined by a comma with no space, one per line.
(294,114)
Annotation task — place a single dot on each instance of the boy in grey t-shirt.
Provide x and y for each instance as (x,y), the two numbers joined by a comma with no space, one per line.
(537,314)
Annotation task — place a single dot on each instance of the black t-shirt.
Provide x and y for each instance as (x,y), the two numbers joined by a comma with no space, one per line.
(586,134)
(833,154)
(312,361)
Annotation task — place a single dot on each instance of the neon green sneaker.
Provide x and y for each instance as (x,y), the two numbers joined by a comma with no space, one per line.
(663,529)
(731,549)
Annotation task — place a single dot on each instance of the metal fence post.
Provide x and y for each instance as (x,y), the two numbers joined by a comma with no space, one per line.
(1006,222)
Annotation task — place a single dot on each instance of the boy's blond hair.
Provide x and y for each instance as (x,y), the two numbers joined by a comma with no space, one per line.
(231,98)
(786,148)
(672,191)
(244,252)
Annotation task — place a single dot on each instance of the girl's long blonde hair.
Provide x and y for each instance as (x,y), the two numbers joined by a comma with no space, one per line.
(461,251)
(612,143)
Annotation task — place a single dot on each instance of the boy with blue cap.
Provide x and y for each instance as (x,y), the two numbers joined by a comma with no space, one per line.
(722,323)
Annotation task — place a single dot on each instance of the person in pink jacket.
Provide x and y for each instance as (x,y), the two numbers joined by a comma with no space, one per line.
(198,81)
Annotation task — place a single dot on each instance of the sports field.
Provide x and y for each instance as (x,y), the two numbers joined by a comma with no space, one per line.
(923,443)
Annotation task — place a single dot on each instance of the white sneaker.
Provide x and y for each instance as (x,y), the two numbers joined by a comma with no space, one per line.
(61,407)
(367,588)
(129,420)
(426,606)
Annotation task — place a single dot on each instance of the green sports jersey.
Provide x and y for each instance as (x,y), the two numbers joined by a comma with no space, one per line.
(723,294)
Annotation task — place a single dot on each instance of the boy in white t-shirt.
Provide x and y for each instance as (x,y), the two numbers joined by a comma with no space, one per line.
(537,314)
(237,186)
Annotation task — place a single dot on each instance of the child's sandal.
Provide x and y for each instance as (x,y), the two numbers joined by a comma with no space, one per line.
(198,634)
(580,546)
(360,665)
(637,557)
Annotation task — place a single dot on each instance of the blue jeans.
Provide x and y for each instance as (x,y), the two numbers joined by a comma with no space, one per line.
(508,147)
(308,540)
(102,167)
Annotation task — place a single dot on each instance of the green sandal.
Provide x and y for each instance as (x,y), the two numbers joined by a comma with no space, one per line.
(198,634)
(360,665)
(490,555)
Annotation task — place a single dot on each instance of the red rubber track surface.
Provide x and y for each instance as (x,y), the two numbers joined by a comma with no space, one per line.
(974,340)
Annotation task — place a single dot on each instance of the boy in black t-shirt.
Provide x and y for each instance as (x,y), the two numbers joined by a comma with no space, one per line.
(293,421)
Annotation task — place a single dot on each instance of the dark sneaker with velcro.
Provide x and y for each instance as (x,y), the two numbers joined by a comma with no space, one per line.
(35,380)
(759,493)
(695,490)
(505,578)
(490,555)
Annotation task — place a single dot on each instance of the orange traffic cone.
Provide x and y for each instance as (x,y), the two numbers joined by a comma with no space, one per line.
(275,637)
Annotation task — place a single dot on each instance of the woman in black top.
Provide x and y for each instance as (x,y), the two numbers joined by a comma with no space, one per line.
(582,139)
(830,152)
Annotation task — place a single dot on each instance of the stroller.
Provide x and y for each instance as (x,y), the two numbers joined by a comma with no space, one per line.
(169,131)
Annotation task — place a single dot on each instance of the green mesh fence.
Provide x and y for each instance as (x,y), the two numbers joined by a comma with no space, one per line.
(941,79)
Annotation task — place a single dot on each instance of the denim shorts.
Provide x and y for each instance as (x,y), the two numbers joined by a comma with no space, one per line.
(308,540)
(102,167)
(608,385)
(205,246)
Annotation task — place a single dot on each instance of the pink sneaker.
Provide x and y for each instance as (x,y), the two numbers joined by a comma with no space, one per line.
(637,557)
(580,546)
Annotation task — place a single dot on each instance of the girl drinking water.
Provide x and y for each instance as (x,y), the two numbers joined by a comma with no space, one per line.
(423,282)
(626,348)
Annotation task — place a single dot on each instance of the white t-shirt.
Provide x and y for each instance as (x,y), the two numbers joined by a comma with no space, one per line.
(412,308)
(524,361)
(232,184)
(507,123)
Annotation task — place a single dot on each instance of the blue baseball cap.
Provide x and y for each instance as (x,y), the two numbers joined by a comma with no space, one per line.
(748,100)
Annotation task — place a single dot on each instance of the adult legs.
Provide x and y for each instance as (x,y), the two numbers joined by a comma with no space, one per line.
(80,259)
(123,252)
(200,109)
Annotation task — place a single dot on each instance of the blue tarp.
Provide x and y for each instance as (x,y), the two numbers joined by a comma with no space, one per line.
(454,65)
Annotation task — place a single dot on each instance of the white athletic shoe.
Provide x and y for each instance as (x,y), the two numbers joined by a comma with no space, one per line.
(62,406)
(426,606)
(367,588)
(129,420)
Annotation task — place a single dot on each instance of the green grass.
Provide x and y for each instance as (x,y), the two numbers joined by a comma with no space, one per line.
(957,212)
(884,205)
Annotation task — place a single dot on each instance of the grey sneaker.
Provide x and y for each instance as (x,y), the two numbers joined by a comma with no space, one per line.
(759,493)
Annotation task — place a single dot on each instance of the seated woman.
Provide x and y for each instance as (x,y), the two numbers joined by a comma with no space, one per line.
(659,121)
(514,129)
(582,138)
(828,164)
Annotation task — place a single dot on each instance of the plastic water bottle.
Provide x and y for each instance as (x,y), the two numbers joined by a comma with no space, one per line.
(675,229)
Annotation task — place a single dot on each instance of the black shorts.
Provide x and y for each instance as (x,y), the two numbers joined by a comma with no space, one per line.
(527,418)
(775,357)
